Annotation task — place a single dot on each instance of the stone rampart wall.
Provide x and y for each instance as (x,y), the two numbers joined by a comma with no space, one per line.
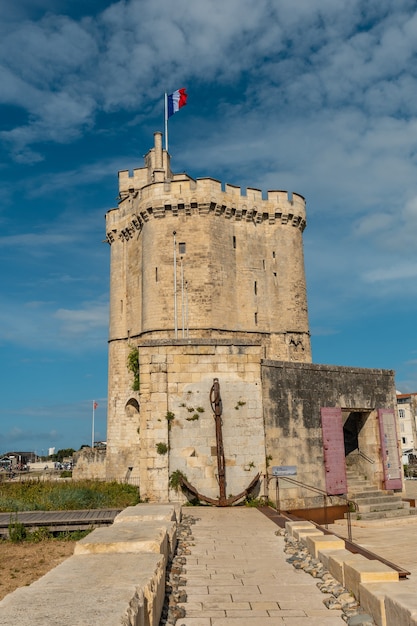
(174,426)
(293,394)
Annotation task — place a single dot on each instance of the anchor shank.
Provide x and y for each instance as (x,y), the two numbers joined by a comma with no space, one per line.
(216,404)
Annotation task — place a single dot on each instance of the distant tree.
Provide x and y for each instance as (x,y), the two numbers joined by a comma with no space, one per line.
(85,445)
(62,454)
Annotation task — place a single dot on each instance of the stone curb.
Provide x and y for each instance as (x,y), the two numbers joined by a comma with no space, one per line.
(116,576)
(374,586)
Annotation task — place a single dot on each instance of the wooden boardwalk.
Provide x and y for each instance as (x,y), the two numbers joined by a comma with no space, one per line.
(59,521)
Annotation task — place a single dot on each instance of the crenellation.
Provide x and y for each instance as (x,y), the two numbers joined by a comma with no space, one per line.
(254,194)
(233,190)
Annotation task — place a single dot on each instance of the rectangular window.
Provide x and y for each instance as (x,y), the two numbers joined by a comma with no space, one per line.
(255,288)
(273,254)
(181,247)
(156,274)
(401,413)
(234,242)
(404,439)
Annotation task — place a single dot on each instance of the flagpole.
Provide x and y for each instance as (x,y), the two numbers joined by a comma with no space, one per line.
(92,429)
(166,121)
(175,286)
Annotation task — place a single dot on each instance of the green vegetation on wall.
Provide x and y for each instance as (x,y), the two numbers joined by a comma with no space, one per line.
(133,366)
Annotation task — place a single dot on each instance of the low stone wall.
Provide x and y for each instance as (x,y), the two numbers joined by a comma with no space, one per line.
(90,464)
(375,586)
(116,575)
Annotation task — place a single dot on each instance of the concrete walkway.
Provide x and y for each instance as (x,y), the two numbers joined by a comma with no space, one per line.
(237,574)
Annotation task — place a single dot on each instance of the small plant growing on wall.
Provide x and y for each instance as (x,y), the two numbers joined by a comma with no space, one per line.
(176,480)
(133,366)
(170,418)
(193,418)
(161,447)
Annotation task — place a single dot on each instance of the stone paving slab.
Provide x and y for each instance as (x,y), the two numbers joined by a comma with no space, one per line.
(237,573)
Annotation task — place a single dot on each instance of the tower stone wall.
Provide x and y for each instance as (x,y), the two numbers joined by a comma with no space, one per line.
(205,281)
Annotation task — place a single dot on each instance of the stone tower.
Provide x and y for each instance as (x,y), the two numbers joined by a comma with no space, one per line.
(204,282)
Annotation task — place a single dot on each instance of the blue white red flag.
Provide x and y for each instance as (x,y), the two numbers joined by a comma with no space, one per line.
(175,101)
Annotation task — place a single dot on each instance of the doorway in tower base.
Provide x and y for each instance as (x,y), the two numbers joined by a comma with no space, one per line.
(363,441)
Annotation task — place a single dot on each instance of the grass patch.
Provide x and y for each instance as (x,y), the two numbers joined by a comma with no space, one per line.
(37,495)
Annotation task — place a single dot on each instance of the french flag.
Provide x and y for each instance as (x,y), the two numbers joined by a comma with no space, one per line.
(175,101)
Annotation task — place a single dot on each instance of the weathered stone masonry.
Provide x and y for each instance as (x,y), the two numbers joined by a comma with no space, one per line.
(208,282)
(241,296)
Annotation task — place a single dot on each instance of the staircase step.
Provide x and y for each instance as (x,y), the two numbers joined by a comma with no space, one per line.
(360,484)
(383,506)
(383,514)
(379,499)
(375,493)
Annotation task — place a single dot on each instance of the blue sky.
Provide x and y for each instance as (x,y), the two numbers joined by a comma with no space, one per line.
(295,94)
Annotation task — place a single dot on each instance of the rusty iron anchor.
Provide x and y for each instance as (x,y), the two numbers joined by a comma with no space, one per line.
(217,407)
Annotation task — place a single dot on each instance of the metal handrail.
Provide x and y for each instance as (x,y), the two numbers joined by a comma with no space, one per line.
(325,495)
(366,457)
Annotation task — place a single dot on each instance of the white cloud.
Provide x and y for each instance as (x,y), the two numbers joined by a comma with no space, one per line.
(64,71)
(76,323)
(40,324)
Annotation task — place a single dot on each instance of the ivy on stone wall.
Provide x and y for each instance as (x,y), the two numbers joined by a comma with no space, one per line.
(133,366)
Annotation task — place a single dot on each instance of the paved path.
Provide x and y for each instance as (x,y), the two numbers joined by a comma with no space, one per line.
(237,574)
(393,539)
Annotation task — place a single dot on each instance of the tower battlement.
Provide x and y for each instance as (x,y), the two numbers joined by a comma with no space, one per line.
(155,192)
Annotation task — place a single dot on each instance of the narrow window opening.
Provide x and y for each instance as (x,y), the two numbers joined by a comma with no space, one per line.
(263,263)
(234,242)
(181,248)
(256,319)
(255,288)
(156,274)
(273,254)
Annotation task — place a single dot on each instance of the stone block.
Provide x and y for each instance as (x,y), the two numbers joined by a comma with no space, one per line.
(336,562)
(291,526)
(326,542)
(300,534)
(372,599)
(149,512)
(148,536)
(367,571)
(401,607)
(103,589)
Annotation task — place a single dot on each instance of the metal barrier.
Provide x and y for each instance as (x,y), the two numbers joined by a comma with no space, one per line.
(350,503)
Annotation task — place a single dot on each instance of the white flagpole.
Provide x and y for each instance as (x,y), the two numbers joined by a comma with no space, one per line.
(175,286)
(92,429)
(166,122)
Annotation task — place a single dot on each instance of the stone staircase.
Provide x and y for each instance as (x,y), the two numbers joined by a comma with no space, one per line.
(374,503)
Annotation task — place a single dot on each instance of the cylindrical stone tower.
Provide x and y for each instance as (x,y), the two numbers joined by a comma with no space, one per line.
(192,262)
